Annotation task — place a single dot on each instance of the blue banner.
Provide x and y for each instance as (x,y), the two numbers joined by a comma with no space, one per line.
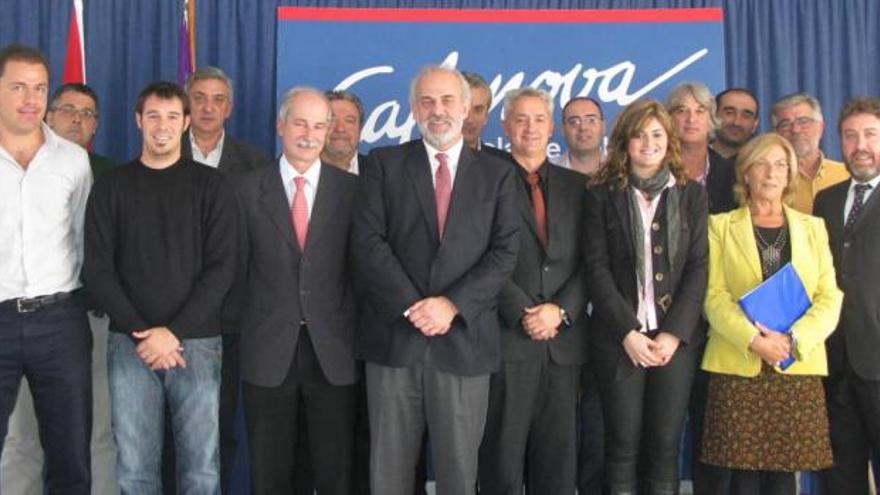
(614,56)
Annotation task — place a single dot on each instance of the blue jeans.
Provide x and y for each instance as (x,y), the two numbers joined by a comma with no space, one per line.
(138,396)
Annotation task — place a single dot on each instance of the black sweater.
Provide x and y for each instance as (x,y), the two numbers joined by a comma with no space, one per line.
(160,247)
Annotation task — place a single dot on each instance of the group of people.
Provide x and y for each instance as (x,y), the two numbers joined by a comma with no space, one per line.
(526,323)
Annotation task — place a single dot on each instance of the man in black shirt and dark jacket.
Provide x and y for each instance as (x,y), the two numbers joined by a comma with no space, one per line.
(160,258)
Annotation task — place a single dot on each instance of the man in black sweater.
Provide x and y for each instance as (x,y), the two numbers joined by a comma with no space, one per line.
(160,258)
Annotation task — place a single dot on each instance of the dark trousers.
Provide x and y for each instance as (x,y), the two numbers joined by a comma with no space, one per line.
(273,427)
(644,415)
(591,445)
(230,373)
(854,417)
(531,424)
(304,479)
(762,483)
(52,348)
(707,479)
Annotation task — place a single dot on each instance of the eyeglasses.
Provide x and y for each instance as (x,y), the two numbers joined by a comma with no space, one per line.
(84,113)
(800,122)
(577,121)
(201,99)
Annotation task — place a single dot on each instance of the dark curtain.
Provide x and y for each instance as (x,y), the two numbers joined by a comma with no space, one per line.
(774,48)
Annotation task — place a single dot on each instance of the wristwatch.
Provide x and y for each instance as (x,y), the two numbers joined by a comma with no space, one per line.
(564,317)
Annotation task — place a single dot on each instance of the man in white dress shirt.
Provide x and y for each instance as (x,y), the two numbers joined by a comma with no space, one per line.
(44,330)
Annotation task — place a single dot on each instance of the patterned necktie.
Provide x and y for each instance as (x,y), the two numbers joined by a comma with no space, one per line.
(858,203)
(442,191)
(538,206)
(299,211)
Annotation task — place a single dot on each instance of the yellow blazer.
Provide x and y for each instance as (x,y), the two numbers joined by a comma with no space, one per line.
(735,268)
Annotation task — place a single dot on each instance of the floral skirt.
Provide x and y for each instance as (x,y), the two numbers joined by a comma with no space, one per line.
(771,422)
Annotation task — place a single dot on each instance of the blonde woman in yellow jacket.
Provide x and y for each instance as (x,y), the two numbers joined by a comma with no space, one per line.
(762,422)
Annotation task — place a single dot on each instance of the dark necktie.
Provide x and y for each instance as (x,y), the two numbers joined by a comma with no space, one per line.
(299,211)
(442,191)
(858,203)
(538,206)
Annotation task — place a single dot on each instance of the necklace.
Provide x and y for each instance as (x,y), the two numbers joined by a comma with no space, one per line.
(771,252)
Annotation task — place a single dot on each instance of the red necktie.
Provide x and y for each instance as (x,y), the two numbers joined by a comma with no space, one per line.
(299,211)
(442,191)
(538,206)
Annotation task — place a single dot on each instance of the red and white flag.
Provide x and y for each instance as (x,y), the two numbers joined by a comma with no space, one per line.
(75,61)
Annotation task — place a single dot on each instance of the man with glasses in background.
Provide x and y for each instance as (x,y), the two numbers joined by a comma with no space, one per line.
(798,118)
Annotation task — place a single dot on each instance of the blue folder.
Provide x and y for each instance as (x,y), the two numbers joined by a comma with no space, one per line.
(777,303)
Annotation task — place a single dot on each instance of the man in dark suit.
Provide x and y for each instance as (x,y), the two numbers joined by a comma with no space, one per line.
(851,210)
(533,398)
(299,317)
(210,92)
(434,240)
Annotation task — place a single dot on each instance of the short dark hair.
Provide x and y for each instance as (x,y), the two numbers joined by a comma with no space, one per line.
(737,89)
(73,88)
(165,90)
(583,98)
(341,94)
(22,53)
(477,81)
(869,105)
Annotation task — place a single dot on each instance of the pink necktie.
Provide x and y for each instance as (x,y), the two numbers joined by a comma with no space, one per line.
(299,211)
(442,191)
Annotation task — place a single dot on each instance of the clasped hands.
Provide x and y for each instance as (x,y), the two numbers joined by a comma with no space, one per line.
(647,352)
(772,347)
(159,348)
(432,315)
(541,322)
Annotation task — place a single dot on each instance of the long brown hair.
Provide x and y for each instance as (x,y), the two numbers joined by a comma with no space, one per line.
(627,125)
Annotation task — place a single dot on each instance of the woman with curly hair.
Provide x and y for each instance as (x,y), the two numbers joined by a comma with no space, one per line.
(646,252)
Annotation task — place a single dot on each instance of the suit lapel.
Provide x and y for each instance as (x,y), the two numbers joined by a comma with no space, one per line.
(744,237)
(463,192)
(620,200)
(556,206)
(324,206)
(274,201)
(227,157)
(419,168)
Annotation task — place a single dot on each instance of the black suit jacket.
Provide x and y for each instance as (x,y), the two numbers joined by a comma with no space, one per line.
(553,275)
(400,259)
(610,264)
(719,184)
(236,159)
(285,286)
(857,264)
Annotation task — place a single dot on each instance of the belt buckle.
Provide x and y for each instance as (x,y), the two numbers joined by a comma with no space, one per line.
(23,305)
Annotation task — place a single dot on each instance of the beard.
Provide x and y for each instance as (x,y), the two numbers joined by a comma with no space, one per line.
(862,174)
(441,140)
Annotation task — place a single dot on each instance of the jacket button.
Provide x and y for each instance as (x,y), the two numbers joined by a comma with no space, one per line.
(658,249)
(658,277)
(546,268)
(846,244)
(655,226)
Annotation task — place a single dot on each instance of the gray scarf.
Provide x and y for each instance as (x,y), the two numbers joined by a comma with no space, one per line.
(654,186)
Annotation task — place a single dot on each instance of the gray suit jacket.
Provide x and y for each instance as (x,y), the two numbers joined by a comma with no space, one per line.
(285,286)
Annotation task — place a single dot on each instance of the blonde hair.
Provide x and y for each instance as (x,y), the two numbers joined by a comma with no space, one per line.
(627,125)
(756,149)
